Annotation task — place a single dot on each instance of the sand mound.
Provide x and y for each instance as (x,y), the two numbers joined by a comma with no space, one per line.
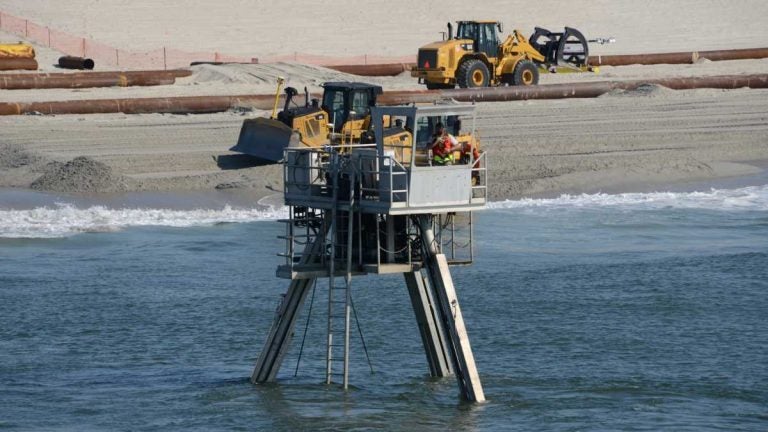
(644,90)
(262,78)
(266,74)
(15,156)
(81,174)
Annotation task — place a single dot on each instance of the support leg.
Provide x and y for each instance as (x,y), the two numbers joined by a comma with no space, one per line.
(280,335)
(450,313)
(430,325)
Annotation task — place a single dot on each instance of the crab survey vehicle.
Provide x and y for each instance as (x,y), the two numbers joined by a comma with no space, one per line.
(382,207)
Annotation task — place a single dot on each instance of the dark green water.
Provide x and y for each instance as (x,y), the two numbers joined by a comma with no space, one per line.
(597,313)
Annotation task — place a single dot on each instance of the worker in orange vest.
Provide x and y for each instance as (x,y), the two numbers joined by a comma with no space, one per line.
(443,146)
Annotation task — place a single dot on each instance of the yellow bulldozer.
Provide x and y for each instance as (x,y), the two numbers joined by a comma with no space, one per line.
(476,58)
(341,119)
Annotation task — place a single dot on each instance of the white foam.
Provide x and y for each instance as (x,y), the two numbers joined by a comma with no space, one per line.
(747,198)
(65,219)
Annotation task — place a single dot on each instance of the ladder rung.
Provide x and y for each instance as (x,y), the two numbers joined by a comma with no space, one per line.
(291,237)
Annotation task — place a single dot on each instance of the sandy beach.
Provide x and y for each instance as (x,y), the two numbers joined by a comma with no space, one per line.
(348,27)
(623,141)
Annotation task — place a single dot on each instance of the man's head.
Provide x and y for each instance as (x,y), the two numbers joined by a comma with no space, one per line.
(439,129)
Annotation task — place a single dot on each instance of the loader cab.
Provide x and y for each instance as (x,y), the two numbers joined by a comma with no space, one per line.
(345,101)
(482,33)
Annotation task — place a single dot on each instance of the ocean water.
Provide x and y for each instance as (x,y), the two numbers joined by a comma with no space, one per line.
(633,312)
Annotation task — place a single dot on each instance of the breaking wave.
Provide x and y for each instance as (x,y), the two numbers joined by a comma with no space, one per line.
(752,198)
(65,220)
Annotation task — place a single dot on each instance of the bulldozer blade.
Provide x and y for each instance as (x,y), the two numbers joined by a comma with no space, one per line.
(265,138)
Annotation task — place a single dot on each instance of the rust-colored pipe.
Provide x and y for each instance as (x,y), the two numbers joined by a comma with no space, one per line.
(172,105)
(606,60)
(90,79)
(389,69)
(18,64)
(208,104)
(562,91)
(678,57)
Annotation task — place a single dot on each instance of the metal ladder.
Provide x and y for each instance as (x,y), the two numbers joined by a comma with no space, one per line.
(339,297)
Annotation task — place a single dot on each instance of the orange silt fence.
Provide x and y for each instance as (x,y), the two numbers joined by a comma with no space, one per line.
(163,58)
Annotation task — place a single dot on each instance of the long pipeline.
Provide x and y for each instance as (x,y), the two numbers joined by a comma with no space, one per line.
(385,69)
(90,79)
(678,57)
(171,105)
(574,90)
(209,104)
(687,57)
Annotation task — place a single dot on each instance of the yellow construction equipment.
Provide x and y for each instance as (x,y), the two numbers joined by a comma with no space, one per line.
(343,119)
(17,50)
(476,58)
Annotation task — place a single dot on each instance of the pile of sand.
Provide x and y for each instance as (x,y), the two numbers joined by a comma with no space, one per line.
(15,156)
(81,174)
(262,78)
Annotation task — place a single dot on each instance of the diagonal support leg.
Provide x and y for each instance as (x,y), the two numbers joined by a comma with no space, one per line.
(430,325)
(450,314)
(280,335)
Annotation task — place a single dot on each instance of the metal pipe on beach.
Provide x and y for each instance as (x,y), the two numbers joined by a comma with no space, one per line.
(90,79)
(678,57)
(209,104)
(170,105)
(18,64)
(71,62)
(687,57)
(574,90)
(388,69)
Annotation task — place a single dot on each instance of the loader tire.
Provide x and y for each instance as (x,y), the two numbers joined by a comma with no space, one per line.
(472,73)
(526,73)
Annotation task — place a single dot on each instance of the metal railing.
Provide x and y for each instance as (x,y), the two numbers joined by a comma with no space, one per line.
(305,172)
(480,177)
(385,170)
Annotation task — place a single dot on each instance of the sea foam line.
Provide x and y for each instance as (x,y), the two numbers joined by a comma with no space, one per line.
(65,219)
(742,199)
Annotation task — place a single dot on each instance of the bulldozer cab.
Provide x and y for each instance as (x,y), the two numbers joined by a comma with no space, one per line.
(483,35)
(345,105)
(347,101)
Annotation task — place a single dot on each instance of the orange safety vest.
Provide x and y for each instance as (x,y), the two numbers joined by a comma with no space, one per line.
(442,151)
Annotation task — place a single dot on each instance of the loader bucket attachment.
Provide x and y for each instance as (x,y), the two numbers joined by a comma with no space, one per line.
(568,48)
(265,138)
(573,48)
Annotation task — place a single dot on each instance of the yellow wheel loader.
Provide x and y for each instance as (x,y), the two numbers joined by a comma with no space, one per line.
(476,58)
(342,119)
